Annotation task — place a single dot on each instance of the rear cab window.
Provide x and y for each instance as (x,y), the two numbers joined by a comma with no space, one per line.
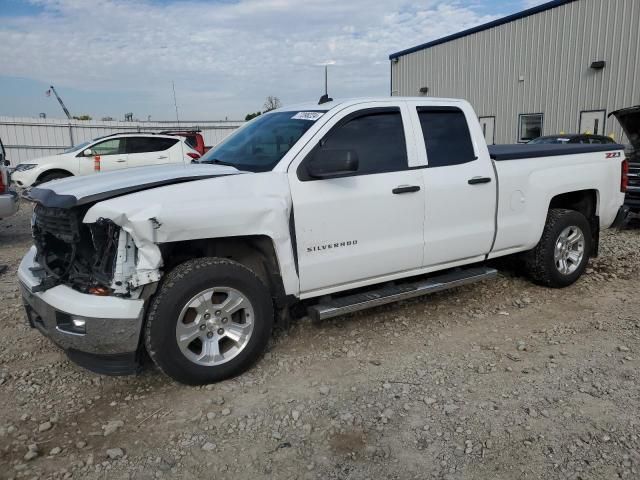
(446,136)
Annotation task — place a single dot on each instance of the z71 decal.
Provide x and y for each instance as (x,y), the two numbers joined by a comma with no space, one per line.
(613,154)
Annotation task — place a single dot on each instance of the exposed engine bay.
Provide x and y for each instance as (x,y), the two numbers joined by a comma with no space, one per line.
(82,256)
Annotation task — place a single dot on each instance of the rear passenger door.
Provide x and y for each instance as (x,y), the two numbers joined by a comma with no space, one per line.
(460,185)
(144,151)
(365,225)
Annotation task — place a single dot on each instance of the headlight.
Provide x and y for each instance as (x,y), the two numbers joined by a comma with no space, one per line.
(25,166)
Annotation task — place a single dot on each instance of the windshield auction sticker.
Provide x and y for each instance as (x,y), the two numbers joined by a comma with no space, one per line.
(312,116)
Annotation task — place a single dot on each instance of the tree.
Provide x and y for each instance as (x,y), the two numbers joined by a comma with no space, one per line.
(82,117)
(250,116)
(272,103)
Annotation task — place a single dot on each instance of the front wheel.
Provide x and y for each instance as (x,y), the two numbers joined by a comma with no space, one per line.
(561,256)
(210,320)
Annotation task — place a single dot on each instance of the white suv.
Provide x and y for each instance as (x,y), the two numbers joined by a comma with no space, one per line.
(113,152)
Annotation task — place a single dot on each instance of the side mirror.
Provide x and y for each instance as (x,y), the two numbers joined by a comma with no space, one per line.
(88,153)
(332,163)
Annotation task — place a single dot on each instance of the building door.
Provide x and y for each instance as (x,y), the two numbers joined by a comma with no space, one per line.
(488,124)
(592,122)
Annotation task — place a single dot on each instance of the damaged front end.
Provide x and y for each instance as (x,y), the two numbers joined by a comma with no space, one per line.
(96,258)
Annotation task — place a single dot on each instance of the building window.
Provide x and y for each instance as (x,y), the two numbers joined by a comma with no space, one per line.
(530,126)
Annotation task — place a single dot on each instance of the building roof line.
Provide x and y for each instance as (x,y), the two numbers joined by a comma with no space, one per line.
(486,26)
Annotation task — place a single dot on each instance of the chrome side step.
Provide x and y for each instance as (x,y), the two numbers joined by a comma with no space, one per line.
(388,294)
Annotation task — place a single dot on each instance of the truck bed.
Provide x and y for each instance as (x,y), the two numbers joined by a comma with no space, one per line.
(516,152)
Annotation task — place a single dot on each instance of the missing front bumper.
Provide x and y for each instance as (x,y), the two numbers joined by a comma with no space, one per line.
(92,330)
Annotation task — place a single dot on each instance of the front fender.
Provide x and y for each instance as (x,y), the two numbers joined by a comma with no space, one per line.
(223,207)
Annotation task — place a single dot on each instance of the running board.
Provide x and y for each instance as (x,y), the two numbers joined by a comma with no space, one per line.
(388,294)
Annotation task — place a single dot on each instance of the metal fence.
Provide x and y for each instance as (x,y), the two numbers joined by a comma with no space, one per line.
(28,138)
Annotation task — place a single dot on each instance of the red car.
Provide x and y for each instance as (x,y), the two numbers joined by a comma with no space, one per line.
(193,138)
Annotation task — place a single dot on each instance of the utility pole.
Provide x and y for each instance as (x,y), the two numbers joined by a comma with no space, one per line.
(60,102)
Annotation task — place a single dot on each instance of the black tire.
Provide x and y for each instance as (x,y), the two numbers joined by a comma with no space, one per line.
(540,263)
(47,177)
(178,287)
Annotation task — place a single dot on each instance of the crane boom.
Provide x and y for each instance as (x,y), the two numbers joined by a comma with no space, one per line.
(60,102)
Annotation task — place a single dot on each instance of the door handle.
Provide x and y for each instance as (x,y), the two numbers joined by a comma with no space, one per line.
(122,160)
(162,157)
(406,189)
(478,180)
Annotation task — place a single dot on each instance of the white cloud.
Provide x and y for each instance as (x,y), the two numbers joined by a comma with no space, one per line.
(225,57)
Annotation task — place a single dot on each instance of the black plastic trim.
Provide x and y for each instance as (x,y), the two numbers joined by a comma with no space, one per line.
(618,222)
(485,26)
(294,241)
(114,364)
(493,140)
(49,198)
(479,180)
(522,151)
(407,189)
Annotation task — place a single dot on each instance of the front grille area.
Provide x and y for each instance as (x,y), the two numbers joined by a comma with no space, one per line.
(59,222)
(71,252)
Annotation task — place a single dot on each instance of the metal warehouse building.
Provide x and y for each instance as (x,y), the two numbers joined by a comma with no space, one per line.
(561,67)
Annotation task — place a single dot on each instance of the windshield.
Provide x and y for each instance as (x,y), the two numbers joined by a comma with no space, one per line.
(75,148)
(260,145)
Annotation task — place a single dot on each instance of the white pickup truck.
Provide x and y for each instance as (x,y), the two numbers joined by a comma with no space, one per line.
(338,207)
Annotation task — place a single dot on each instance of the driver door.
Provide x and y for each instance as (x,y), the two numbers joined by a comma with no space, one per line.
(112,156)
(357,227)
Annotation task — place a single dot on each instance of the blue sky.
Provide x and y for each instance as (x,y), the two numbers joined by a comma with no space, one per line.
(110,57)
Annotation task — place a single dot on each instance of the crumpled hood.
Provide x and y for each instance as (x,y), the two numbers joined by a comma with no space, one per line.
(255,204)
(82,190)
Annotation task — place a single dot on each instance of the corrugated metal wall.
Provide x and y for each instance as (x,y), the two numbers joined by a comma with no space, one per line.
(552,51)
(29,138)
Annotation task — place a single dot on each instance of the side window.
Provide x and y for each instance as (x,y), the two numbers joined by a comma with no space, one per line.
(377,138)
(446,136)
(108,147)
(149,144)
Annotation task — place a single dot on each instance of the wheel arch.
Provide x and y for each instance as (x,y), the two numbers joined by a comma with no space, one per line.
(585,202)
(257,252)
(54,170)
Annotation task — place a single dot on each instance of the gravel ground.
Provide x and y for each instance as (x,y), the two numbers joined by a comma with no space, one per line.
(500,380)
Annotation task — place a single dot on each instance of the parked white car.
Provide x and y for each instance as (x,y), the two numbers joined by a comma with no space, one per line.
(115,152)
(8,197)
(335,207)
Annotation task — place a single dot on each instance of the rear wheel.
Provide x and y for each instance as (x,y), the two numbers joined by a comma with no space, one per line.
(210,320)
(562,254)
